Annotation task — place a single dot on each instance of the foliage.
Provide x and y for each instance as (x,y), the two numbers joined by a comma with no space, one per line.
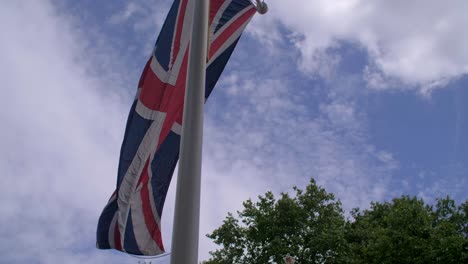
(310,226)
(408,231)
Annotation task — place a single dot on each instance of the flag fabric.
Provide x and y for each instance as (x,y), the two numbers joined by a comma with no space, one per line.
(131,221)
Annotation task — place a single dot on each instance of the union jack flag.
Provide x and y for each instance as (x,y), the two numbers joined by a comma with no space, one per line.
(131,221)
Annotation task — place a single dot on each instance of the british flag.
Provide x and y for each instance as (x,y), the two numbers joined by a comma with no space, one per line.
(131,221)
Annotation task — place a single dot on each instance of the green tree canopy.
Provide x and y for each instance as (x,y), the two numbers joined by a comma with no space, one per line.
(311,227)
(308,226)
(407,230)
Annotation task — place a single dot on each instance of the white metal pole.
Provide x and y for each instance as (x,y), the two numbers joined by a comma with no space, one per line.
(187,204)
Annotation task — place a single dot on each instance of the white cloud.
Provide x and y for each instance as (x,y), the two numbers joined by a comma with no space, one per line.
(130,10)
(419,43)
(449,179)
(143,15)
(62,127)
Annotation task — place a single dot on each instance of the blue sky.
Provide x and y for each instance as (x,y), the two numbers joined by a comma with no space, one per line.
(367,97)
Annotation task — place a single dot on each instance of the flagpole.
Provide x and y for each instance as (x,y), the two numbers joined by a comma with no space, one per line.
(187,204)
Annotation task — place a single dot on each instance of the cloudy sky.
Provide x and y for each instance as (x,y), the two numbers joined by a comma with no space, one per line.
(366,97)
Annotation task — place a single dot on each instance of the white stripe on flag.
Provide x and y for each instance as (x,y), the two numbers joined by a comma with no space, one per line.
(217,17)
(177,128)
(146,112)
(184,43)
(229,42)
(158,70)
(232,20)
(112,231)
(129,181)
(144,240)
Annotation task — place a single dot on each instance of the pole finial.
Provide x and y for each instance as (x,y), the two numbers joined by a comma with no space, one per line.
(261,6)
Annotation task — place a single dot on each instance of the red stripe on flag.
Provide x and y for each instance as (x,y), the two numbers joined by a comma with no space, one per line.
(117,242)
(150,221)
(228,32)
(180,23)
(215,5)
(173,101)
(172,96)
(178,118)
(143,74)
(112,196)
(152,90)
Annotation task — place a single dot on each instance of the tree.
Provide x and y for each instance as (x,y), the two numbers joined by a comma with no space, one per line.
(309,226)
(407,230)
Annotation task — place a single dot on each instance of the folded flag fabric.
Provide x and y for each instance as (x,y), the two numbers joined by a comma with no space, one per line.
(131,221)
